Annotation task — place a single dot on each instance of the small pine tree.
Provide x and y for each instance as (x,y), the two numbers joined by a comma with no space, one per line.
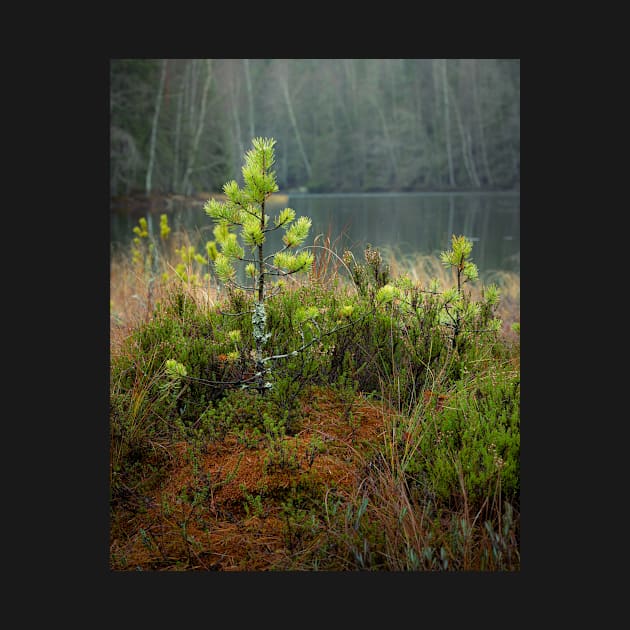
(245,209)
(463,310)
(458,257)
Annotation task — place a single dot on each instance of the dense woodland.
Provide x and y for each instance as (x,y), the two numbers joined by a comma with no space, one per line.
(344,125)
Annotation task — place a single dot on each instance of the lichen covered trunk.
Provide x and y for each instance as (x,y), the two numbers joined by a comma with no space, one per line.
(259,324)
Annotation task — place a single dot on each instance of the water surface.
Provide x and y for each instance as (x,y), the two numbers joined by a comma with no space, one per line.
(403,223)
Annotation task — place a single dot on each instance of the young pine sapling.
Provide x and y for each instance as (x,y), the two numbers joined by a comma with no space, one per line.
(244,209)
(464,311)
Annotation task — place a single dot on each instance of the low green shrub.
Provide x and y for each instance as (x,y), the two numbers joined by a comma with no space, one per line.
(469,449)
(390,338)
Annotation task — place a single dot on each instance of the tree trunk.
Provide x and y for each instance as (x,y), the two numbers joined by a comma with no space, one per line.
(250,99)
(156,115)
(235,118)
(482,136)
(469,163)
(447,127)
(284,82)
(178,130)
(259,317)
(192,154)
(192,96)
(388,140)
(437,126)
(418,129)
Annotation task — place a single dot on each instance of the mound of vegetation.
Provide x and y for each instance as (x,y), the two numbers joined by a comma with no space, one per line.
(371,424)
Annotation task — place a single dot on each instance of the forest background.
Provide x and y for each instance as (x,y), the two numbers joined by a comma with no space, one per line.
(180,126)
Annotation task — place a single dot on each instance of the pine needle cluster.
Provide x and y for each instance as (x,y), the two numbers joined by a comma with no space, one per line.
(244,208)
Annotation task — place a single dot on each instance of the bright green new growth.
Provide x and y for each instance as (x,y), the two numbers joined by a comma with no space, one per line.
(457,309)
(165,230)
(244,208)
(386,294)
(458,258)
(141,229)
(175,369)
(145,251)
(305,313)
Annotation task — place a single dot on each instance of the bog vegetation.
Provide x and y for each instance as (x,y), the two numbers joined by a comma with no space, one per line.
(307,410)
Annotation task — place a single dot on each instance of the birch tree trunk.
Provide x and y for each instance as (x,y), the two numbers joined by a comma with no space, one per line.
(178,131)
(447,126)
(356,133)
(156,116)
(437,124)
(351,78)
(418,121)
(235,118)
(482,136)
(192,95)
(192,154)
(388,139)
(250,100)
(284,83)
(469,162)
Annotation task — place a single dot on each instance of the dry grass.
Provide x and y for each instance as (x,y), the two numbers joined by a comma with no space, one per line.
(362,469)
(134,292)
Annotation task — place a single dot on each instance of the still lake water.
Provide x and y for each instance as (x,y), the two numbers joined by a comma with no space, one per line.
(403,223)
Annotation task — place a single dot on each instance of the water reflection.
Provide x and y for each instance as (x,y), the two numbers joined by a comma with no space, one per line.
(406,224)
